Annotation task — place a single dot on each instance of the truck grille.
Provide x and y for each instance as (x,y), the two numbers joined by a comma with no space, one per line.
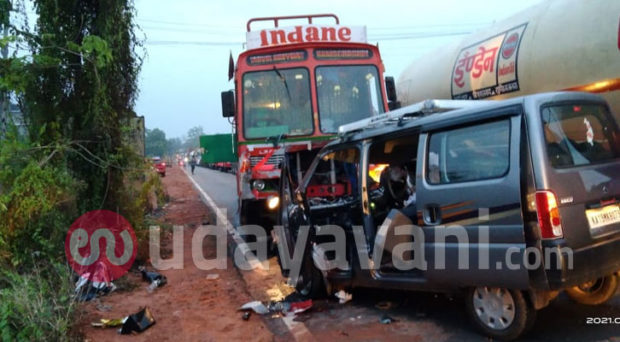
(273,160)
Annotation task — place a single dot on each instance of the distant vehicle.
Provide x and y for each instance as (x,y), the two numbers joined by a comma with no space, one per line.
(159,165)
(224,166)
(506,202)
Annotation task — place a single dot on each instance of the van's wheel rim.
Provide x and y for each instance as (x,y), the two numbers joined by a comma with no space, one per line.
(591,286)
(494,307)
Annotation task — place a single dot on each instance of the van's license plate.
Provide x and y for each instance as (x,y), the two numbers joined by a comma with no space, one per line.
(603,216)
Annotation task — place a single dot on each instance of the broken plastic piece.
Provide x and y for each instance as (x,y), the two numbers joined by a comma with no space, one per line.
(155,279)
(138,322)
(343,296)
(108,323)
(299,307)
(255,306)
(212,276)
(385,319)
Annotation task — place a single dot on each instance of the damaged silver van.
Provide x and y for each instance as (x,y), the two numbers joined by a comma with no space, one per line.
(507,202)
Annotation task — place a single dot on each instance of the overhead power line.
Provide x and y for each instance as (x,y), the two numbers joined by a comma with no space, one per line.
(197,43)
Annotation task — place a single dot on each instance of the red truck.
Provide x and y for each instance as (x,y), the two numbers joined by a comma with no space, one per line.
(294,86)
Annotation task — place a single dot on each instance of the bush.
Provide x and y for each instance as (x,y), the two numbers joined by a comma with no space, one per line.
(37,306)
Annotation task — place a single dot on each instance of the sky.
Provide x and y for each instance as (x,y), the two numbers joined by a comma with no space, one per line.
(187,45)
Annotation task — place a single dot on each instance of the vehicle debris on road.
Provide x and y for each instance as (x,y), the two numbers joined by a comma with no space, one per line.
(138,322)
(385,319)
(155,279)
(255,306)
(343,296)
(86,288)
(135,323)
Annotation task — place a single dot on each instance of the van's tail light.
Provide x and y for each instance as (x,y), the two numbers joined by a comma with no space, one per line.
(244,166)
(548,215)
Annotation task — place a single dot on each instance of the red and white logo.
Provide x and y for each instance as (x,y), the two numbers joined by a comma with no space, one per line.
(510,45)
(101,246)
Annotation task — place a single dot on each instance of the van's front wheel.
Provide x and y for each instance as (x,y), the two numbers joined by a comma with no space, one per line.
(594,292)
(499,313)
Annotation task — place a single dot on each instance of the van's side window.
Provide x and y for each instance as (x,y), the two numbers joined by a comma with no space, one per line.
(468,154)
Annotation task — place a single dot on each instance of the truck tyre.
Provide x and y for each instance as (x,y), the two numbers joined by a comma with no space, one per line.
(500,313)
(594,292)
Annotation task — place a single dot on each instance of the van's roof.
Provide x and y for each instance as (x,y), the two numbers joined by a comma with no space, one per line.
(486,110)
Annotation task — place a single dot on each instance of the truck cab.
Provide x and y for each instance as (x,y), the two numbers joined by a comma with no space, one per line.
(294,86)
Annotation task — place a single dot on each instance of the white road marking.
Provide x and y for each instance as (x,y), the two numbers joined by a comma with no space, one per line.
(298,329)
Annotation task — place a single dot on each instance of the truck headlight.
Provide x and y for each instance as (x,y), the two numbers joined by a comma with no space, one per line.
(258,184)
(273,202)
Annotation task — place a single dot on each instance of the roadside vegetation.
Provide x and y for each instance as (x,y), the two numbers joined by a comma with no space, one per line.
(71,67)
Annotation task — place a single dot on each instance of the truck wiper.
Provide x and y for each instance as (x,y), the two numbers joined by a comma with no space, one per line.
(288,92)
(275,140)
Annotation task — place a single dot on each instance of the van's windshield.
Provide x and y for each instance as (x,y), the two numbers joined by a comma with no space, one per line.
(580,134)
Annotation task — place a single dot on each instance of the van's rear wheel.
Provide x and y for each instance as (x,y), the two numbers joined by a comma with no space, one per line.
(594,292)
(499,313)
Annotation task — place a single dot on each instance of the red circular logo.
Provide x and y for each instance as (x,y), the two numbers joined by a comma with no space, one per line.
(101,246)
(510,45)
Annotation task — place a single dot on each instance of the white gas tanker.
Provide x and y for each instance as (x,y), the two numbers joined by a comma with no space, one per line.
(555,45)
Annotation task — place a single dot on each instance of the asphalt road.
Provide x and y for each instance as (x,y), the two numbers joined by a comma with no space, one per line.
(423,316)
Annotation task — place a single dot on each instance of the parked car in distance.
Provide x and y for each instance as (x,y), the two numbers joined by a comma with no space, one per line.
(159,165)
(504,202)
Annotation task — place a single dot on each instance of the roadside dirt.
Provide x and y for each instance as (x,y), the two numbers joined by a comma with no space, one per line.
(190,307)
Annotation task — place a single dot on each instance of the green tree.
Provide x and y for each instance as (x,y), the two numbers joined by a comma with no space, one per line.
(193,137)
(156,144)
(174,145)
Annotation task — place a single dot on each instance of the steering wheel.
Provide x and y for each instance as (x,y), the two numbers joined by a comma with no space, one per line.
(397,195)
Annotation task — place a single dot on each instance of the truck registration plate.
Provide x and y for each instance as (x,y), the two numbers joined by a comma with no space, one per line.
(603,216)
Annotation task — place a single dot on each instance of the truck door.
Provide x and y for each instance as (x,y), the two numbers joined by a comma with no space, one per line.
(469,201)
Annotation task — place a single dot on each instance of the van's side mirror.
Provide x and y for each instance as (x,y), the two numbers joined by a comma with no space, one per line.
(228,104)
(390,89)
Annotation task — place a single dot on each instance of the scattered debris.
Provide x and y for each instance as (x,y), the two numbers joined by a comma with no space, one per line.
(108,323)
(87,289)
(279,307)
(212,276)
(255,306)
(246,315)
(103,307)
(343,296)
(155,279)
(385,319)
(385,305)
(137,322)
(299,307)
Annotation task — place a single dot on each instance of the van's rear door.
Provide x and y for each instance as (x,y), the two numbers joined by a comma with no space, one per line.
(578,159)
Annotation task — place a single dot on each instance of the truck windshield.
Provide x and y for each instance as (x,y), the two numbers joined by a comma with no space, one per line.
(276,102)
(347,94)
(580,135)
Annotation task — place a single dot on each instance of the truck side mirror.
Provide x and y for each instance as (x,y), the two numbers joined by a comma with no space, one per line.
(228,104)
(390,89)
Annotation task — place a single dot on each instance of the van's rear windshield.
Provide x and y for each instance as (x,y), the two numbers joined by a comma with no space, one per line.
(580,134)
